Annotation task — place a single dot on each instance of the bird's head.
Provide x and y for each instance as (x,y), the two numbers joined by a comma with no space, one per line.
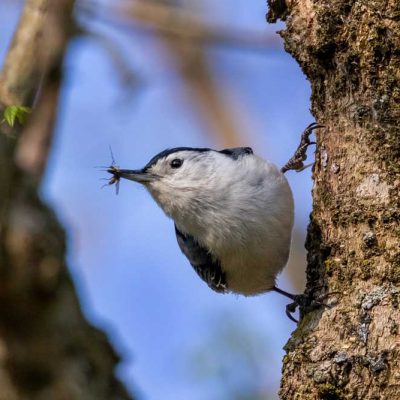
(184,179)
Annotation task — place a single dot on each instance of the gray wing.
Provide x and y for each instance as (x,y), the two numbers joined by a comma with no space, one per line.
(206,267)
(236,152)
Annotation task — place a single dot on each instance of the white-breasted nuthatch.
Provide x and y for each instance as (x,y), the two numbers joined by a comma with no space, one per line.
(233,212)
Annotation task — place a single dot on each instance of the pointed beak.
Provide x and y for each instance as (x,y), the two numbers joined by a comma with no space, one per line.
(137,175)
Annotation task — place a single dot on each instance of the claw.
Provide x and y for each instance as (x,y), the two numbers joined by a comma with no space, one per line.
(303,301)
(290,309)
(304,167)
(300,155)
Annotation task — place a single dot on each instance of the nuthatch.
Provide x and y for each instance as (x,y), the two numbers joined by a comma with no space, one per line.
(233,212)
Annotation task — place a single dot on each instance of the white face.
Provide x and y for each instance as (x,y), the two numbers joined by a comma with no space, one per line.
(182,170)
(184,178)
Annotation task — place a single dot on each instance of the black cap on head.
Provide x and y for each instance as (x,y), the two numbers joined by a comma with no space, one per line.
(167,152)
(234,153)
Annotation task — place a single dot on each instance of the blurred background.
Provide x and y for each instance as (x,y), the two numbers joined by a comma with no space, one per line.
(142,76)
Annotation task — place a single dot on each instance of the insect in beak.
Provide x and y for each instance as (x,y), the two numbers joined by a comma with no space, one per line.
(115,171)
(116,177)
(137,175)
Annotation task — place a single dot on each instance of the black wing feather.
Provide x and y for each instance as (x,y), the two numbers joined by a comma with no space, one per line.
(203,263)
(237,152)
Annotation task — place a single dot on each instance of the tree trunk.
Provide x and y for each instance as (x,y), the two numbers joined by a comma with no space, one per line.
(47,349)
(350,52)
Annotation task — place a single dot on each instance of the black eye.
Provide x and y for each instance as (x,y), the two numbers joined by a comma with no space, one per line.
(176,163)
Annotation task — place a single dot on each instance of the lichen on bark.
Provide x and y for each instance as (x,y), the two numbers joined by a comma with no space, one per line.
(350,52)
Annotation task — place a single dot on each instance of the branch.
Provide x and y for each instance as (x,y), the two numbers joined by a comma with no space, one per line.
(49,351)
(169,20)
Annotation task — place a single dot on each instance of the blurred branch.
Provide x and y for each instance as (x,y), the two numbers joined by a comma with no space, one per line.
(32,70)
(295,269)
(48,350)
(174,21)
(203,90)
(191,61)
(185,36)
(129,78)
(177,29)
(28,59)
(35,139)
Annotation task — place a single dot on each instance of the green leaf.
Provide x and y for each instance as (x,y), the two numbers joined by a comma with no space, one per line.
(16,113)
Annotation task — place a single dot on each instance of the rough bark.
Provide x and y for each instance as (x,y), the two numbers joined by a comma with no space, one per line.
(47,349)
(350,52)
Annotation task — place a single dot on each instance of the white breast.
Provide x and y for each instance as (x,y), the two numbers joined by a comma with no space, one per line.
(252,263)
(240,210)
(248,227)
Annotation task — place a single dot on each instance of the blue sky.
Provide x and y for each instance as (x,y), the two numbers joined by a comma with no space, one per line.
(131,277)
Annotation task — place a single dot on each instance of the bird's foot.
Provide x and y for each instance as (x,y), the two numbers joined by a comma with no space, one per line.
(296,162)
(304,302)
